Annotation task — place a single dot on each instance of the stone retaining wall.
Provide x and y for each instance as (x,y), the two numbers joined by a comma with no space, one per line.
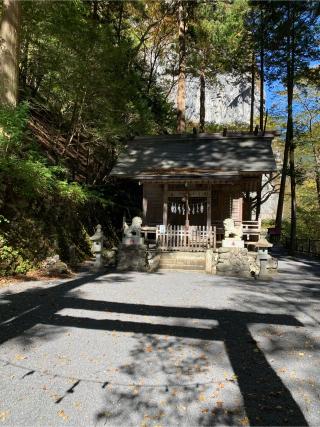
(223,261)
(236,262)
(137,258)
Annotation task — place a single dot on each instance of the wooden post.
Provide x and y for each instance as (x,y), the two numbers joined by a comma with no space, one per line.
(165,205)
(187,210)
(144,205)
(258,203)
(209,201)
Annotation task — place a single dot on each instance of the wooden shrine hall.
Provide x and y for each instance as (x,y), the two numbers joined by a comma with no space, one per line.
(192,181)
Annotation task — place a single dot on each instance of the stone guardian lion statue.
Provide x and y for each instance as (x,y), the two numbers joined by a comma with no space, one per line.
(134,229)
(231,230)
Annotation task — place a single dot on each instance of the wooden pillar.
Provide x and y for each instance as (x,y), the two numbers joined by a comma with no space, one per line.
(165,205)
(187,210)
(209,202)
(258,207)
(144,205)
(241,209)
(258,203)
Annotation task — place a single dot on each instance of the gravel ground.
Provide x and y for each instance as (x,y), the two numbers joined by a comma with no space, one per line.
(162,349)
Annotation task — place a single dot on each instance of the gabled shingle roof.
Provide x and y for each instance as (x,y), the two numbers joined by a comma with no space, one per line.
(195,155)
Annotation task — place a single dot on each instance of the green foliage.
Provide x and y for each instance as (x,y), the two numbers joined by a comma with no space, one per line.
(40,212)
(11,260)
(12,125)
(87,68)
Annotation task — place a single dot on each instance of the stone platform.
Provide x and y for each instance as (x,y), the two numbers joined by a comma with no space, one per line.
(221,261)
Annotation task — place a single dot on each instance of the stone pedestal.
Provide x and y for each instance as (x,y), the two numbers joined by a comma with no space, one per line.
(230,242)
(132,258)
(233,262)
(211,261)
(132,241)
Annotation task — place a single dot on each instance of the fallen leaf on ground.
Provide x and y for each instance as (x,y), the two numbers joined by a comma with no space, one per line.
(4,415)
(149,349)
(202,397)
(63,415)
(20,357)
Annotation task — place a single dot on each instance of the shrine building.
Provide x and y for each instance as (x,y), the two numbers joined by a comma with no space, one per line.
(198,180)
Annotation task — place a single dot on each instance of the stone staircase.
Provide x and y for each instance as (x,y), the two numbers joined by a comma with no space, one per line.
(189,261)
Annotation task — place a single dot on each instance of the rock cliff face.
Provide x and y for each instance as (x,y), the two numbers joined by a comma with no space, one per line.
(227,101)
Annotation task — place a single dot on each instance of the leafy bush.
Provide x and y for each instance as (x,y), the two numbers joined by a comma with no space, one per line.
(41,213)
(11,260)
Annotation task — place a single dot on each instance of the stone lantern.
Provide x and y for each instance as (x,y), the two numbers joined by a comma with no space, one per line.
(97,245)
(263,245)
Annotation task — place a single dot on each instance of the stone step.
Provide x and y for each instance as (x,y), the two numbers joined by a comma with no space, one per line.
(183,258)
(178,254)
(182,265)
(182,270)
(191,261)
(170,267)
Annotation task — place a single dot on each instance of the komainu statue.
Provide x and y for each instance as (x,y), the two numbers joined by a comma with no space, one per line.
(133,230)
(231,230)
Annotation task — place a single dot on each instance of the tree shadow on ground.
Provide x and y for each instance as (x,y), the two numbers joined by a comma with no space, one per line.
(266,400)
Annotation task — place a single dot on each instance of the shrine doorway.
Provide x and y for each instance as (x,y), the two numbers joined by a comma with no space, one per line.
(198,211)
(177,210)
(184,210)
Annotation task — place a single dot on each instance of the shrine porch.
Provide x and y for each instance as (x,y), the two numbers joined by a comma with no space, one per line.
(197,238)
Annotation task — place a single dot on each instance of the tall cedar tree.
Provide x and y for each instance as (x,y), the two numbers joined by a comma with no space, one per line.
(289,43)
(9,52)
(291,47)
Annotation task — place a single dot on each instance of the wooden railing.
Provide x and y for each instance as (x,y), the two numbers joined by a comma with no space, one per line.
(305,246)
(251,228)
(179,237)
(251,233)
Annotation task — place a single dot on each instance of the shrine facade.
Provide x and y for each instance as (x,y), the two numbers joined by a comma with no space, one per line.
(197,180)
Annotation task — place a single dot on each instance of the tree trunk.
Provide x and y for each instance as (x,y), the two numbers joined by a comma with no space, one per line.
(202,102)
(278,222)
(317,170)
(252,92)
(289,130)
(181,92)
(290,88)
(9,52)
(24,64)
(318,184)
(293,229)
(262,72)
